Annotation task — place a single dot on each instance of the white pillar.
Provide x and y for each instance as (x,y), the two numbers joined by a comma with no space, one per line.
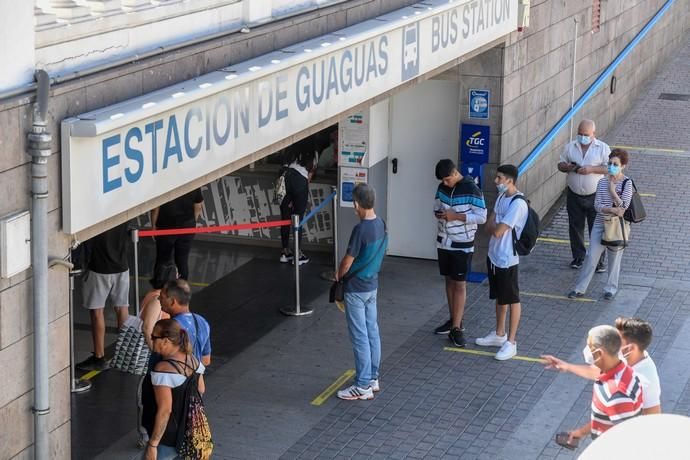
(256,10)
(18,59)
(104,6)
(67,9)
(135,3)
(41,18)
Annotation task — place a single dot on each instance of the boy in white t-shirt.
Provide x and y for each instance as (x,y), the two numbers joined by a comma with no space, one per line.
(636,335)
(510,213)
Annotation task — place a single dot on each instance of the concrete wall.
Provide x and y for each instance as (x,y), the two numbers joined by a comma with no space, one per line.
(537,68)
(69,99)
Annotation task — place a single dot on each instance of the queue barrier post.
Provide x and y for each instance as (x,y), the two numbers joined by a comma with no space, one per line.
(297,309)
(330,275)
(135,241)
(76,385)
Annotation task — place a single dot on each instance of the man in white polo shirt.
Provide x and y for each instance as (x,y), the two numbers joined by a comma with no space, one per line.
(584,160)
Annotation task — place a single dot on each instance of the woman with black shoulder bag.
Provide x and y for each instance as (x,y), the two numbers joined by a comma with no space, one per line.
(610,230)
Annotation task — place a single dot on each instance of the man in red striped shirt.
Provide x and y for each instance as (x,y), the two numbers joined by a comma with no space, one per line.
(617,393)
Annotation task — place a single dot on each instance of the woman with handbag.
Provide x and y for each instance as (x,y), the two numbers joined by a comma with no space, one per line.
(165,417)
(610,230)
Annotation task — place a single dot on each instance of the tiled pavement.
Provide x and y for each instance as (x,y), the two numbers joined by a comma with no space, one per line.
(440,404)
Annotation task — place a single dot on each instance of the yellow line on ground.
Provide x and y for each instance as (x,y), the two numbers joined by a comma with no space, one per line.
(333,387)
(646,149)
(553,240)
(488,353)
(558,297)
(648,194)
(195,283)
(89,375)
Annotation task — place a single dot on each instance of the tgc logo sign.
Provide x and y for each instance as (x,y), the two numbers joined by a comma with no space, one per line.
(475,140)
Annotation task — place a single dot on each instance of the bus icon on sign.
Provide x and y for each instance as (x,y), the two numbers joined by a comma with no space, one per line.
(410,57)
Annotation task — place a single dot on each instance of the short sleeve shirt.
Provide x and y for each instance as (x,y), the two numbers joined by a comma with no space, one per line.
(597,155)
(367,245)
(649,378)
(201,338)
(179,213)
(513,213)
(107,252)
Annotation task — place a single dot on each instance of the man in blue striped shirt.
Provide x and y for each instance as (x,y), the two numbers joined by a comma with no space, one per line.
(459,209)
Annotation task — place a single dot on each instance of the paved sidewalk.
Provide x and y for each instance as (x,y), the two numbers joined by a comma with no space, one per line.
(440,403)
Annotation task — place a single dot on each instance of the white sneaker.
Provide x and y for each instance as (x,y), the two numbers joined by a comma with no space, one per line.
(375,386)
(507,351)
(354,392)
(492,340)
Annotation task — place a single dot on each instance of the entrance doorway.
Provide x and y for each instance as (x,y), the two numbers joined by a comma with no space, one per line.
(424,130)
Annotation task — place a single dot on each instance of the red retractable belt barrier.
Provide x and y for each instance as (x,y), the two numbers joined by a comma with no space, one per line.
(214,229)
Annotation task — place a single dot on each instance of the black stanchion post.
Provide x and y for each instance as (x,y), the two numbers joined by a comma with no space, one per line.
(330,275)
(135,240)
(77,385)
(297,309)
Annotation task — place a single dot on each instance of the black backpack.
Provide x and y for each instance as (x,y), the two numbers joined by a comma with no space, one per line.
(528,238)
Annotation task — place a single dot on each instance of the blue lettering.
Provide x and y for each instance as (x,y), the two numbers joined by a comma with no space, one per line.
(372,62)
(151,128)
(221,139)
(281,95)
(383,55)
(346,71)
(318,77)
(134,154)
(172,143)
(191,151)
(109,162)
(303,90)
(265,92)
(332,78)
(466,21)
(243,103)
(208,128)
(359,76)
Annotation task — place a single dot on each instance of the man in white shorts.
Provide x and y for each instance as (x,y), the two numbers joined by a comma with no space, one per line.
(106,277)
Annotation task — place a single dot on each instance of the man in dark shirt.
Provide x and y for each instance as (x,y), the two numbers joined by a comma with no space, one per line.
(182,212)
(106,276)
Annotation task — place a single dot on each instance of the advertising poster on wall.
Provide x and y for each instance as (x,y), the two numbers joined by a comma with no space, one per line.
(354,142)
(349,177)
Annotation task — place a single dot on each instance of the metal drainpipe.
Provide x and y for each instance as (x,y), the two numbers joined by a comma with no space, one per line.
(39,141)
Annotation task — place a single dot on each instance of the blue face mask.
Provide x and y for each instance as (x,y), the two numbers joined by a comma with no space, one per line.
(584,140)
(502,188)
(614,170)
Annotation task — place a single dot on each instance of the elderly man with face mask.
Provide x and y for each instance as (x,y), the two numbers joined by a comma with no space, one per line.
(617,393)
(584,161)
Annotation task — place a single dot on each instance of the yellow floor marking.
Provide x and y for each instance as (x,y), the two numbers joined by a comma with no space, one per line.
(553,240)
(488,353)
(89,375)
(340,305)
(646,149)
(559,297)
(195,283)
(333,387)
(648,194)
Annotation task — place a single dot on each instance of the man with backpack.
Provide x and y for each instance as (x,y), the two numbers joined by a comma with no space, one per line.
(505,226)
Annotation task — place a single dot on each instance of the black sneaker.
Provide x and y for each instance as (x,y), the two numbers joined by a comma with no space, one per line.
(601,267)
(455,335)
(443,328)
(608,295)
(576,264)
(93,364)
(286,257)
(303,259)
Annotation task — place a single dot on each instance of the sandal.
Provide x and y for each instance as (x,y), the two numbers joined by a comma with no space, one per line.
(562,440)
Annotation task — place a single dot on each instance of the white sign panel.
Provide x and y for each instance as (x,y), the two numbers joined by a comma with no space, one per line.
(349,177)
(127,154)
(354,140)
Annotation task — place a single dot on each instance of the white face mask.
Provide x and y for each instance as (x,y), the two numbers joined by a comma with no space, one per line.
(589,355)
(623,355)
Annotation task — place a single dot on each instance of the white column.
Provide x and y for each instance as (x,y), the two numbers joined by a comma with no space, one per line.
(17,57)
(135,3)
(104,6)
(67,9)
(42,18)
(256,10)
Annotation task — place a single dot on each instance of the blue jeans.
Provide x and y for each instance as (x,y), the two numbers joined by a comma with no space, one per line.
(164,453)
(360,311)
